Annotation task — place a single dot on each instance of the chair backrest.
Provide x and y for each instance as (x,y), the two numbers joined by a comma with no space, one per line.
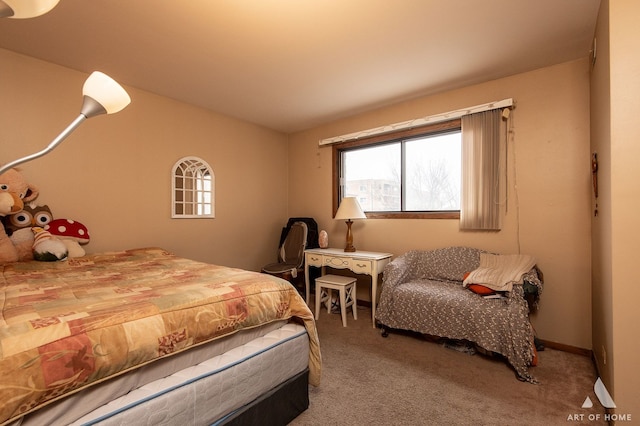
(292,249)
(312,231)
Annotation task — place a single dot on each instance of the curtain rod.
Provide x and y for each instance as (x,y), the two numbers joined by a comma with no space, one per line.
(451,115)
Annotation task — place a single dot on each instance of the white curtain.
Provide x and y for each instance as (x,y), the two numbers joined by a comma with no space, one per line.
(480,198)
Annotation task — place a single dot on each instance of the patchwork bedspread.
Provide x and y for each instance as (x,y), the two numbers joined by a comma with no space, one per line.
(67,325)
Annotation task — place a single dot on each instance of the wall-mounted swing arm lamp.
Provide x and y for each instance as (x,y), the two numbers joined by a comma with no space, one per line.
(21,9)
(101,95)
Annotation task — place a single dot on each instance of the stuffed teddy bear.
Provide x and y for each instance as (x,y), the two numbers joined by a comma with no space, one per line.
(14,192)
(30,242)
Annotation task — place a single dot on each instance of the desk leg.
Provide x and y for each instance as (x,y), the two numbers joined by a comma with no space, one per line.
(374,293)
(307,285)
(307,281)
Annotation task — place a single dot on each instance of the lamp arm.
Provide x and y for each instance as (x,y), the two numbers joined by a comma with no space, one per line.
(62,136)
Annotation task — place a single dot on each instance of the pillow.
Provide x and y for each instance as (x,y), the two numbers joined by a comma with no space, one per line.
(478,288)
(500,271)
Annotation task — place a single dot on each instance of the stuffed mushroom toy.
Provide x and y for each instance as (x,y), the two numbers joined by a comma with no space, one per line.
(72,233)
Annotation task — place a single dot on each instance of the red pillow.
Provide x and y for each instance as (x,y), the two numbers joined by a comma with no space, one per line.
(480,289)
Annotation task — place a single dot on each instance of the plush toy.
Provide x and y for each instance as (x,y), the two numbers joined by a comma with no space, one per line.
(14,192)
(47,248)
(23,227)
(22,237)
(31,215)
(72,233)
(18,227)
(68,232)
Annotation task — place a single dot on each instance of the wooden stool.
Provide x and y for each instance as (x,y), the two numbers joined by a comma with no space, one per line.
(346,287)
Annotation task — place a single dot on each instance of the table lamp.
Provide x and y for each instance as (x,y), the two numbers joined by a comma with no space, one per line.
(350,209)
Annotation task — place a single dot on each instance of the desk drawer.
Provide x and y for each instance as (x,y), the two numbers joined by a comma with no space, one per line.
(360,266)
(337,262)
(314,260)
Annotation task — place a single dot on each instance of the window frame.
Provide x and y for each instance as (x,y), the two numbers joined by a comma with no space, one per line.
(432,129)
(194,195)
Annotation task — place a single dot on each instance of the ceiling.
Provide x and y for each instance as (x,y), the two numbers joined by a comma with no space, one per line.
(290,65)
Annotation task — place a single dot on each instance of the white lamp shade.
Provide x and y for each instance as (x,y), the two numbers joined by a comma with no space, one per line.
(30,8)
(106,91)
(350,209)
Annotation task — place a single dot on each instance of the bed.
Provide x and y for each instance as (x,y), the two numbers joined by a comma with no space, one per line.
(143,336)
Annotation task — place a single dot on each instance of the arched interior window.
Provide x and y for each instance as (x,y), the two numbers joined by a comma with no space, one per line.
(193,189)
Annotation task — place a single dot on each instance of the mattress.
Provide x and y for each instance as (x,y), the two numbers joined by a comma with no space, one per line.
(67,410)
(214,389)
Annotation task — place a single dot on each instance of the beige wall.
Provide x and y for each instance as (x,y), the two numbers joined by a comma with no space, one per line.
(616,244)
(548,212)
(601,224)
(113,173)
(625,200)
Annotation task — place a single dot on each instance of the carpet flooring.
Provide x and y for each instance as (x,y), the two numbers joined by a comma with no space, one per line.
(407,379)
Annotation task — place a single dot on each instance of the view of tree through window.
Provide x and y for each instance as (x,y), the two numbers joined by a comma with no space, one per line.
(433,173)
(420,173)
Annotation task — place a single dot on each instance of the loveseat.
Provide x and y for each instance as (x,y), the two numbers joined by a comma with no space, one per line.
(423,291)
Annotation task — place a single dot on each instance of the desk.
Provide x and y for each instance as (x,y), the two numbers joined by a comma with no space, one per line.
(360,262)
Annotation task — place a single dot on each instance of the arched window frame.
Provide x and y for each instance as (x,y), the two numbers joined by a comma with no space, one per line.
(192,189)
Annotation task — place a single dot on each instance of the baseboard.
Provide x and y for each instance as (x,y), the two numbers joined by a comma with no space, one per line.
(365,303)
(568,348)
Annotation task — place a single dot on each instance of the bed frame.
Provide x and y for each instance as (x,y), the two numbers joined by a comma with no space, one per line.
(279,406)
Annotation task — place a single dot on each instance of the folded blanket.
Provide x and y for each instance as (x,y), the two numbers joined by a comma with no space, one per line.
(500,271)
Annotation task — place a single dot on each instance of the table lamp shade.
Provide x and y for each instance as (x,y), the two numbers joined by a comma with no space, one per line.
(350,209)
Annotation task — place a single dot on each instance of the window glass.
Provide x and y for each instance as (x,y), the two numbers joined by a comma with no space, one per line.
(413,173)
(433,173)
(372,175)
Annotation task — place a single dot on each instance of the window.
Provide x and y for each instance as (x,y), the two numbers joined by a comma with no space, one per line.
(192,189)
(412,173)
